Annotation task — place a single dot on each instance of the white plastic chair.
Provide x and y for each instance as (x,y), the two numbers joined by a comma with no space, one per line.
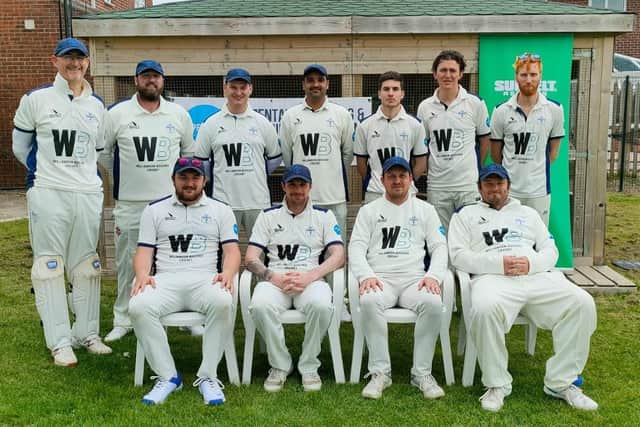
(465,343)
(401,315)
(293,316)
(194,318)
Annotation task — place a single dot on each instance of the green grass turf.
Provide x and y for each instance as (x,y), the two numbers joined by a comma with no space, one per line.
(622,240)
(100,391)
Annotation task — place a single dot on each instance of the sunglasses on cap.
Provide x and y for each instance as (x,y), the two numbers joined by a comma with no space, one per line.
(530,56)
(186,161)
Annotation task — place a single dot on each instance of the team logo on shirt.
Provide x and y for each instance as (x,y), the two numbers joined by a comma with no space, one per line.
(70,142)
(520,221)
(169,217)
(495,236)
(442,230)
(524,143)
(375,134)
(316,144)
(54,114)
(513,236)
(381,218)
(461,114)
(293,252)
(541,119)
(152,148)
(133,125)
(278,228)
(238,154)
(387,152)
(330,122)
(448,139)
(170,128)
(413,220)
(221,129)
(91,117)
(396,238)
(206,218)
(192,243)
(253,130)
(337,230)
(309,231)
(404,136)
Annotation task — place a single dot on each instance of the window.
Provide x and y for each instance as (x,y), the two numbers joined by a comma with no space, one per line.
(619,5)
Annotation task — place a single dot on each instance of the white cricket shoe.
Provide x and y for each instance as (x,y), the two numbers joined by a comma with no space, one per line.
(574,396)
(379,381)
(311,382)
(94,345)
(64,356)
(117,333)
(276,379)
(493,399)
(161,390)
(428,386)
(211,390)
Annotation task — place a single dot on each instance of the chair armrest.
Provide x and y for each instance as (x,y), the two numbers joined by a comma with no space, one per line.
(448,291)
(354,296)
(338,292)
(244,290)
(465,296)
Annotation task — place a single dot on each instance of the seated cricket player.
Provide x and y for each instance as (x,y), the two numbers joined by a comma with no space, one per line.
(510,255)
(302,244)
(192,241)
(398,254)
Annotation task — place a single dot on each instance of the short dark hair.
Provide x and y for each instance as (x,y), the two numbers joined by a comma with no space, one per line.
(447,55)
(390,75)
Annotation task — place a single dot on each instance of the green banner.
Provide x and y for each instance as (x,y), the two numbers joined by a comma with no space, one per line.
(497,84)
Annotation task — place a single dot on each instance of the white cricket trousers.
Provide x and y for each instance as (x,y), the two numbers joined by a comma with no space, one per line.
(542,205)
(127,227)
(269,302)
(447,202)
(551,302)
(426,305)
(176,292)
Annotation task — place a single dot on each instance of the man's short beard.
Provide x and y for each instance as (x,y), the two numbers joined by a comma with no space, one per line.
(149,96)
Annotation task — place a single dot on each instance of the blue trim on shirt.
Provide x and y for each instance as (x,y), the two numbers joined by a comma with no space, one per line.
(153,202)
(318,208)
(334,242)
(95,95)
(344,181)
(229,241)
(273,157)
(32,162)
(272,208)
(116,172)
(146,245)
(547,168)
(24,130)
(264,248)
(366,156)
(120,101)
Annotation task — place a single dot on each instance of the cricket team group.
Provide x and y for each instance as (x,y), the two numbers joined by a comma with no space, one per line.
(177,248)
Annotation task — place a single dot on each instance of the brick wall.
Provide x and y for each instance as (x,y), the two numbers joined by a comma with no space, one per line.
(629,43)
(25,63)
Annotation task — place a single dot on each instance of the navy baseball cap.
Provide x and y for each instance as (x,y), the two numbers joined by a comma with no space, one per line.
(396,161)
(315,68)
(188,163)
(149,64)
(493,169)
(237,74)
(67,45)
(297,172)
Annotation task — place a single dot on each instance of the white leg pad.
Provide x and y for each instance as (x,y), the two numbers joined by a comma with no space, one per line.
(86,297)
(47,275)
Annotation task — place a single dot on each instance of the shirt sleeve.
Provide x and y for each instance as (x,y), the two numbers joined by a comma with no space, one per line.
(497,128)
(22,143)
(110,138)
(558,122)
(419,141)
(102,114)
(346,143)
(24,119)
(436,246)
(148,235)
(482,119)
(546,253)
(463,257)
(228,226)
(270,136)
(286,141)
(332,231)
(359,246)
(360,144)
(260,235)
(187,144)
(203,146)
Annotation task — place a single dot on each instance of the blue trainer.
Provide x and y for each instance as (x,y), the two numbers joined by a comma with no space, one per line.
(211,390)
(162,389)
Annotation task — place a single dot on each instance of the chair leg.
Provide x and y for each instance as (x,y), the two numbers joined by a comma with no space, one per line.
(232,361)
(462,336)
(469,367)
(138,374)
(531,334)
(336,351)
(247,362)
(356,358)
(447,358)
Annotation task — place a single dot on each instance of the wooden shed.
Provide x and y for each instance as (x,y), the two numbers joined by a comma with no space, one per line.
(198,41)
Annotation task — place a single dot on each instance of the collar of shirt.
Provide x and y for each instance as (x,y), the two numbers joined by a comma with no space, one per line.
(402,114)
(161,108)
(248,113)
(324,106)
(63,86)
(462,95)
(306,208)
(510,202)
(200,202)
(513,101)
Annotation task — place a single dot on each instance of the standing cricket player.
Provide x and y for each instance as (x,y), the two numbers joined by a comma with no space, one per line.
(58,130)
(525,133)
(145,135)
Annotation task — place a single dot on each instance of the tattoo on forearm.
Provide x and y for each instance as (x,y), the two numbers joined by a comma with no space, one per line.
(259,269)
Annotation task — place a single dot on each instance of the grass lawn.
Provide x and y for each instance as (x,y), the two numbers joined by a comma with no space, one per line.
(100,390)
